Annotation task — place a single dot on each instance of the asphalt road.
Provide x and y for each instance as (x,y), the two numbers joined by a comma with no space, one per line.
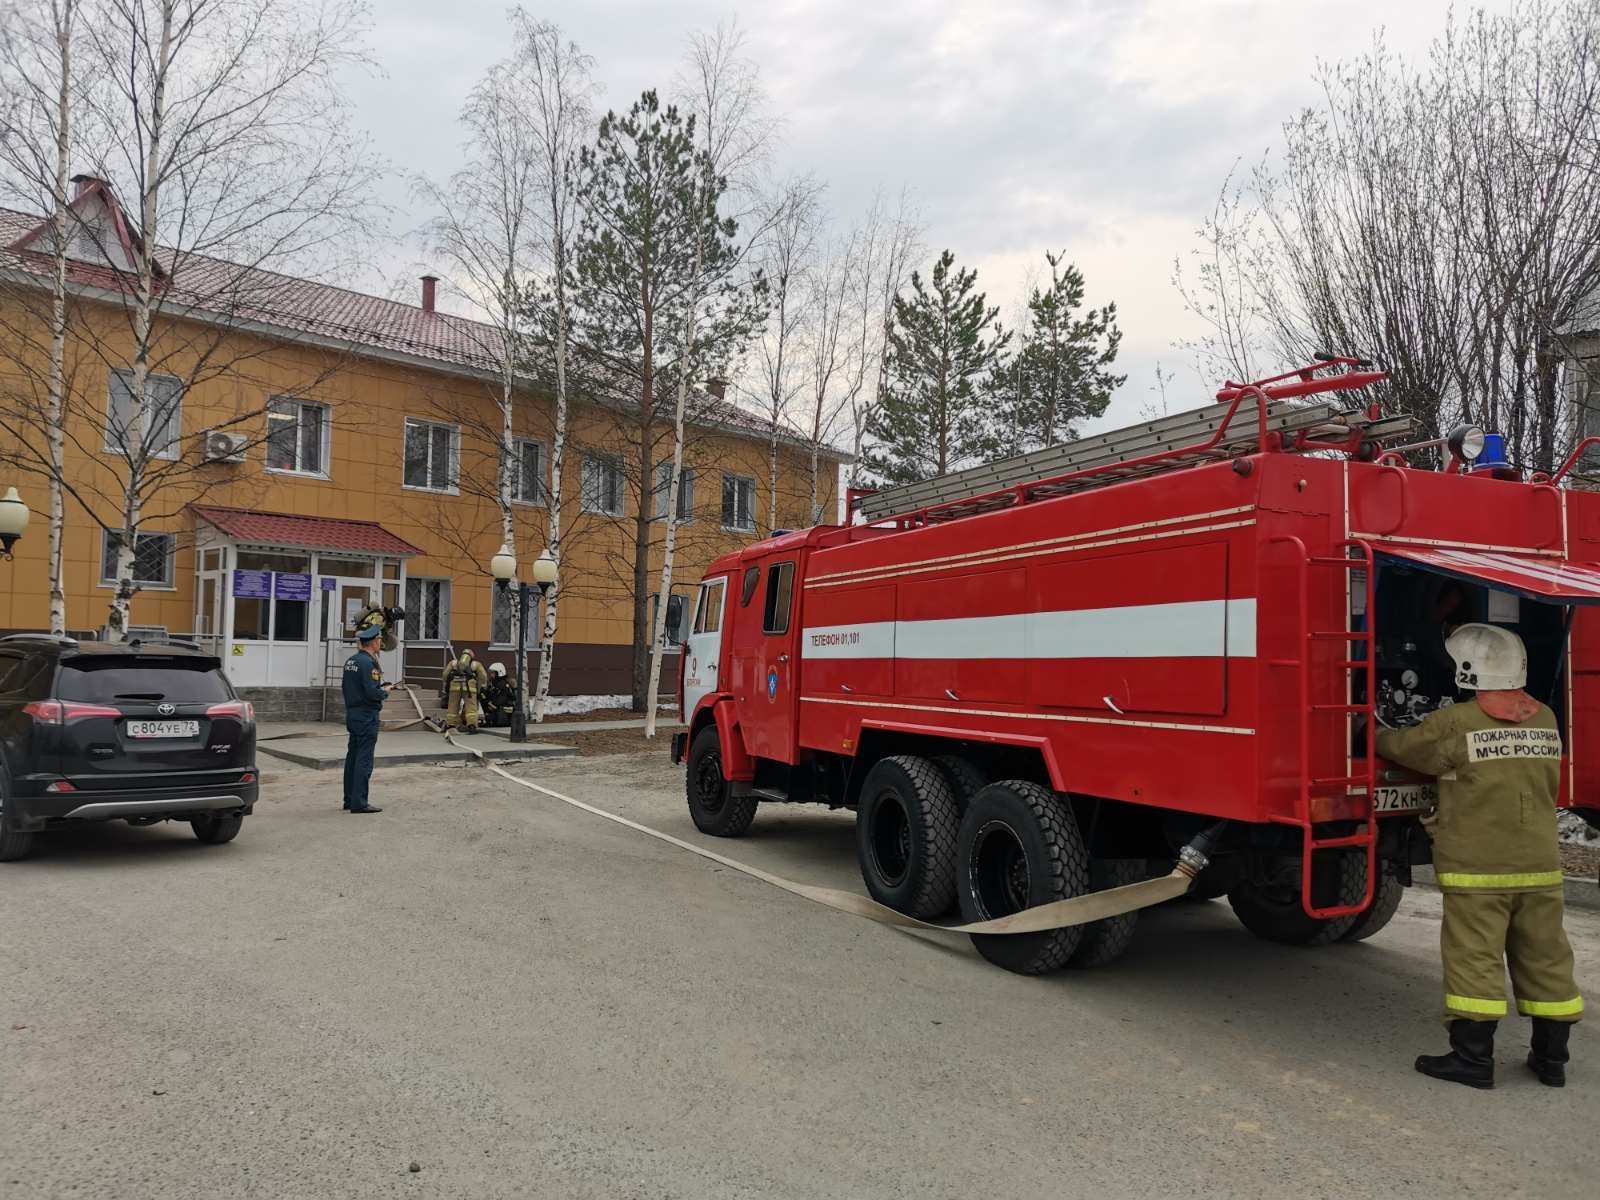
(527,1001)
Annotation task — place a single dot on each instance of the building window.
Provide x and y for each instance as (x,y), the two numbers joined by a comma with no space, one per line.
(738,502)
(163,416)
(527,475)
(685,492)
(152,559)
(427,610)
(432,451)
(297,436)
(602,485)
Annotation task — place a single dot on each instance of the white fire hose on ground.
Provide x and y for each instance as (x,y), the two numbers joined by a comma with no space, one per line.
(1058,914)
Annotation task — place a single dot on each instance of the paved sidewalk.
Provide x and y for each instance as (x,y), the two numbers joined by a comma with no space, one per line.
(560,728)
(324,751)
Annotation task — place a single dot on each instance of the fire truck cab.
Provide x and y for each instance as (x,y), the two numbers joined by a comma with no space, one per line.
(1044,676)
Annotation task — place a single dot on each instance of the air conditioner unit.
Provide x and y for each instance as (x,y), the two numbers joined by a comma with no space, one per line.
(217,446)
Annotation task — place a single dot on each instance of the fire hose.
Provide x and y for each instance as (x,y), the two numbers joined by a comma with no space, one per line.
(1057,914)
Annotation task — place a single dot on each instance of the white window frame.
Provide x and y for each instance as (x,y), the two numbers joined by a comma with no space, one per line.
(611,463)
(541,484)
(112,446)
(415,632)
(453,469)
(108,579)
(727,477)
(658,495)
(326,440)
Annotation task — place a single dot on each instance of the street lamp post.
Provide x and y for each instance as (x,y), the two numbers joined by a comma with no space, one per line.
(13,521)
(504,569)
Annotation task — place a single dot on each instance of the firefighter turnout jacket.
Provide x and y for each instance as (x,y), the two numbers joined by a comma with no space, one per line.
(1498,783)
(1496,854)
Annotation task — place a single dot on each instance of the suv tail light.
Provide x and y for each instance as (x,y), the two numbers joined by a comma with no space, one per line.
(60,712)
(242,709)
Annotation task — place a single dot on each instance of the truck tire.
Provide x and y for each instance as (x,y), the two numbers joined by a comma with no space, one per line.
(965,777)
(712,806)
(214,831)
(1019,847)
(1274,914)
(1108,940)
(1386,899)
(906,824)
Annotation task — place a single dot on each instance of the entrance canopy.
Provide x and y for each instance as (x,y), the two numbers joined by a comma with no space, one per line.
(304,533)
(1551,580)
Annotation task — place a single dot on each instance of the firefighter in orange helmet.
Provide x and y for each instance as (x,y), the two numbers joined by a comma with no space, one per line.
(1497,856)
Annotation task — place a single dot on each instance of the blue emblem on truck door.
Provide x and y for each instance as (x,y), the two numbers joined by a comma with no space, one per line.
(772,685)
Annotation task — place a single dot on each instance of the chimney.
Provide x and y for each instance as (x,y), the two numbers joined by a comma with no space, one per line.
(85,183)
(430,284)
(717,387)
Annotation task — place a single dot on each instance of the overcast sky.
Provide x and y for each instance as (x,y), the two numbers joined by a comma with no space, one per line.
(1101,127)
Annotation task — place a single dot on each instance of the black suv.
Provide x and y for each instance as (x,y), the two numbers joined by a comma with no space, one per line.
(134,731)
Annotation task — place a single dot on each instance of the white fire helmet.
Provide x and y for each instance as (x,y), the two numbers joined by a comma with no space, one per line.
(497,668)
(1488,658)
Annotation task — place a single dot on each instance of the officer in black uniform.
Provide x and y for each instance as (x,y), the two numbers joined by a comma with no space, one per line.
(364,694)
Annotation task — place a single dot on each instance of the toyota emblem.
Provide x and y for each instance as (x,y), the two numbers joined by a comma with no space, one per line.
(166,710)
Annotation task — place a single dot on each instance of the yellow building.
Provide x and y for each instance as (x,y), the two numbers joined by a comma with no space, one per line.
(318,449)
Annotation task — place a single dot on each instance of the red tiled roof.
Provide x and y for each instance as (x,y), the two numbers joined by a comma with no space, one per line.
(306,533)
(244,294)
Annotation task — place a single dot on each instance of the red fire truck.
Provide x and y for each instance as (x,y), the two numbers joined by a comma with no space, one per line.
(1043,676)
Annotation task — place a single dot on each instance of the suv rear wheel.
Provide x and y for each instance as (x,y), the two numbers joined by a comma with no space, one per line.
(214,830)
(14,843)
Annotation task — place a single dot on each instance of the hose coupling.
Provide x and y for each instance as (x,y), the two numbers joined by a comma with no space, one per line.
(1196,855)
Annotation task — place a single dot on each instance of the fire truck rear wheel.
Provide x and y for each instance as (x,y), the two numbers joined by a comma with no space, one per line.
(1020,847)
(1274,913)
(1386,899)
(1108,940)
(906,822)
(711,803)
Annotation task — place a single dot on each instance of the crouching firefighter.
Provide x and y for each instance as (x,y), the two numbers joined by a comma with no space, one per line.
(1496,853)
(465,678)
(499,697)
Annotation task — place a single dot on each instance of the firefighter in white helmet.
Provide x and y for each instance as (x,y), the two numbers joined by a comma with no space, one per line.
(1495,850)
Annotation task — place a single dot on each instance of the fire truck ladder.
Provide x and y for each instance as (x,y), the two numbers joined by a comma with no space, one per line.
(1186,439)
(1352,554)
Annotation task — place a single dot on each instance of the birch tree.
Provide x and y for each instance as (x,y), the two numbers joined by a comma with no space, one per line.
(223,123)
(43,96)
(830,356)
(887,243)
(484,227)
(795,217)
(560,90)
(724,98)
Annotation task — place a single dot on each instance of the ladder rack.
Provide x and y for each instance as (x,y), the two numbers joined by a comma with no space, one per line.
(1180,441)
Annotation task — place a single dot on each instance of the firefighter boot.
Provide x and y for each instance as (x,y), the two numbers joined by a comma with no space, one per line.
(1471,1057)
(1548,1058)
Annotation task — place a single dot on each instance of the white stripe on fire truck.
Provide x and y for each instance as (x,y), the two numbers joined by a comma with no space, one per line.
(996,557)
(1030,716)
(1187,629)
(1060,541)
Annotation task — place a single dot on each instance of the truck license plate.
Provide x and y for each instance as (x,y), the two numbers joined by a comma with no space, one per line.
(163,729)
(1409,797)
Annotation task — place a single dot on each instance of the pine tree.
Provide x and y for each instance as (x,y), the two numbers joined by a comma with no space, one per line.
(1060,376)
(944,345)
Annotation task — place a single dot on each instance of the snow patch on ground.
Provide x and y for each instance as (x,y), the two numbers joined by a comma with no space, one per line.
(1576,831)
(565,705)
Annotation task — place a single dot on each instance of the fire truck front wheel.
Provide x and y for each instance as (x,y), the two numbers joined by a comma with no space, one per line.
(714,809)
(1020,847)
(906,822)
